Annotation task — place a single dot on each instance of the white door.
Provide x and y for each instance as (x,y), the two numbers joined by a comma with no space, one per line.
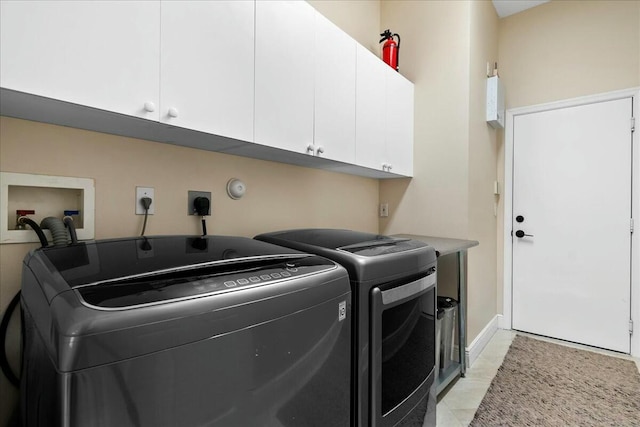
(103,54)
(208,66)
(572,199)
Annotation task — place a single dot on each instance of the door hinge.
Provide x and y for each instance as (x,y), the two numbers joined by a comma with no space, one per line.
(633,124)
(630,326)
(631,227)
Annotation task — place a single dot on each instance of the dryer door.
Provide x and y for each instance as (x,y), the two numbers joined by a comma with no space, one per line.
(402,355)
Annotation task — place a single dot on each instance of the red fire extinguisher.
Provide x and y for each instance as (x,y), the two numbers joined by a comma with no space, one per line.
(390,49)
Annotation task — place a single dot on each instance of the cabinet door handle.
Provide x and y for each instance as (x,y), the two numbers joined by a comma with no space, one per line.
(384,167)
(310,149)
(173,112)
(389,167)
(149,107)
(319,150)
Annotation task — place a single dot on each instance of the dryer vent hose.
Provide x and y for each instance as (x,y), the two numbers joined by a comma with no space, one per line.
(58,230)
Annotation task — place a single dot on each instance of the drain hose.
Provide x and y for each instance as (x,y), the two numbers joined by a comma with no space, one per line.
(57,228)
(4,325)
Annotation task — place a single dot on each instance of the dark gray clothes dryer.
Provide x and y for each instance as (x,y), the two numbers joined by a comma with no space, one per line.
(184,331)
(393,284)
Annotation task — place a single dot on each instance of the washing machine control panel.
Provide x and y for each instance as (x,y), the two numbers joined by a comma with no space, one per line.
(190,281)
(283,271)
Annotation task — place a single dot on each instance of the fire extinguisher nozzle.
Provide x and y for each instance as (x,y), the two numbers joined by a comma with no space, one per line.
(385,35)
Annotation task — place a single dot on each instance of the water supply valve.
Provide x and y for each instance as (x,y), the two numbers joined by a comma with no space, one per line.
(20,213)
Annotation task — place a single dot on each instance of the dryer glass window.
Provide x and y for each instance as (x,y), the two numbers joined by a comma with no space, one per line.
(408,348)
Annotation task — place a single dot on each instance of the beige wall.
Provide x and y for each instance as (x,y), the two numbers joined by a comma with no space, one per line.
(435,57)
(483,160)
(358,18)
(278,196)
(444,51)
(566,49)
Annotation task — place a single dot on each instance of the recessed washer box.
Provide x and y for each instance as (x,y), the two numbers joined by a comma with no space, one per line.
(48,196)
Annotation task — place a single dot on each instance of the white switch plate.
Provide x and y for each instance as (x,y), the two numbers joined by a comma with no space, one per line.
(145,192)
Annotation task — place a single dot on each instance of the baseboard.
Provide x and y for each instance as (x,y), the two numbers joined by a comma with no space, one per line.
(501,322)
(480,342)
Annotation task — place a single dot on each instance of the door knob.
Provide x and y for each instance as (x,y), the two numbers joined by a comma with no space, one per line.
(173,112)
(519,218)
(520,234)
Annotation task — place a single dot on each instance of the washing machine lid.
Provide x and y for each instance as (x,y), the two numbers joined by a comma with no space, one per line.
(335,238)
(205,279)
(355,242)
(368,257)
(115,260)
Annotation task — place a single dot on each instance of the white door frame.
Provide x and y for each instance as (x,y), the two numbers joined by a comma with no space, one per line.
(635,202)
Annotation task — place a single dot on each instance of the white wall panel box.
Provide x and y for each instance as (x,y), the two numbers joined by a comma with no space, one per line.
(495,102)
(47,196)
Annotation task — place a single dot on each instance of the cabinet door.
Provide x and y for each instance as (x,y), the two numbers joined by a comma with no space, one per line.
(284,74)
(207,66)
(335,92)
(399,124)
(370,109)
(103,54)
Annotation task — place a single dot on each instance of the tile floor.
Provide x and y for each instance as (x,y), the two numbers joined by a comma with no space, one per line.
(457,406)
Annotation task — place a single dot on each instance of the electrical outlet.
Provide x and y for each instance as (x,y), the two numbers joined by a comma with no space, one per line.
(192,196)
(384,209)
(145,192)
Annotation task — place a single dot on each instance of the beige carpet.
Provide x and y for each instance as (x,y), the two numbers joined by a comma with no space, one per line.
(545,384)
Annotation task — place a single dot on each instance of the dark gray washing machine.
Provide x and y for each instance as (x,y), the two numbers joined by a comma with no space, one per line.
(394,321)
(182,331)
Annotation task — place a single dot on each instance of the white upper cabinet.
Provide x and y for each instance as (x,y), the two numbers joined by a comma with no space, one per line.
(384,116)
(335,92)
(99,54)
(371,101)
(305,82)
(399,124)
(207,71)
(274,73)
(284,81)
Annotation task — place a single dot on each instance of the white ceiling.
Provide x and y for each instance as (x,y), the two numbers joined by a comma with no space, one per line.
(510,7)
